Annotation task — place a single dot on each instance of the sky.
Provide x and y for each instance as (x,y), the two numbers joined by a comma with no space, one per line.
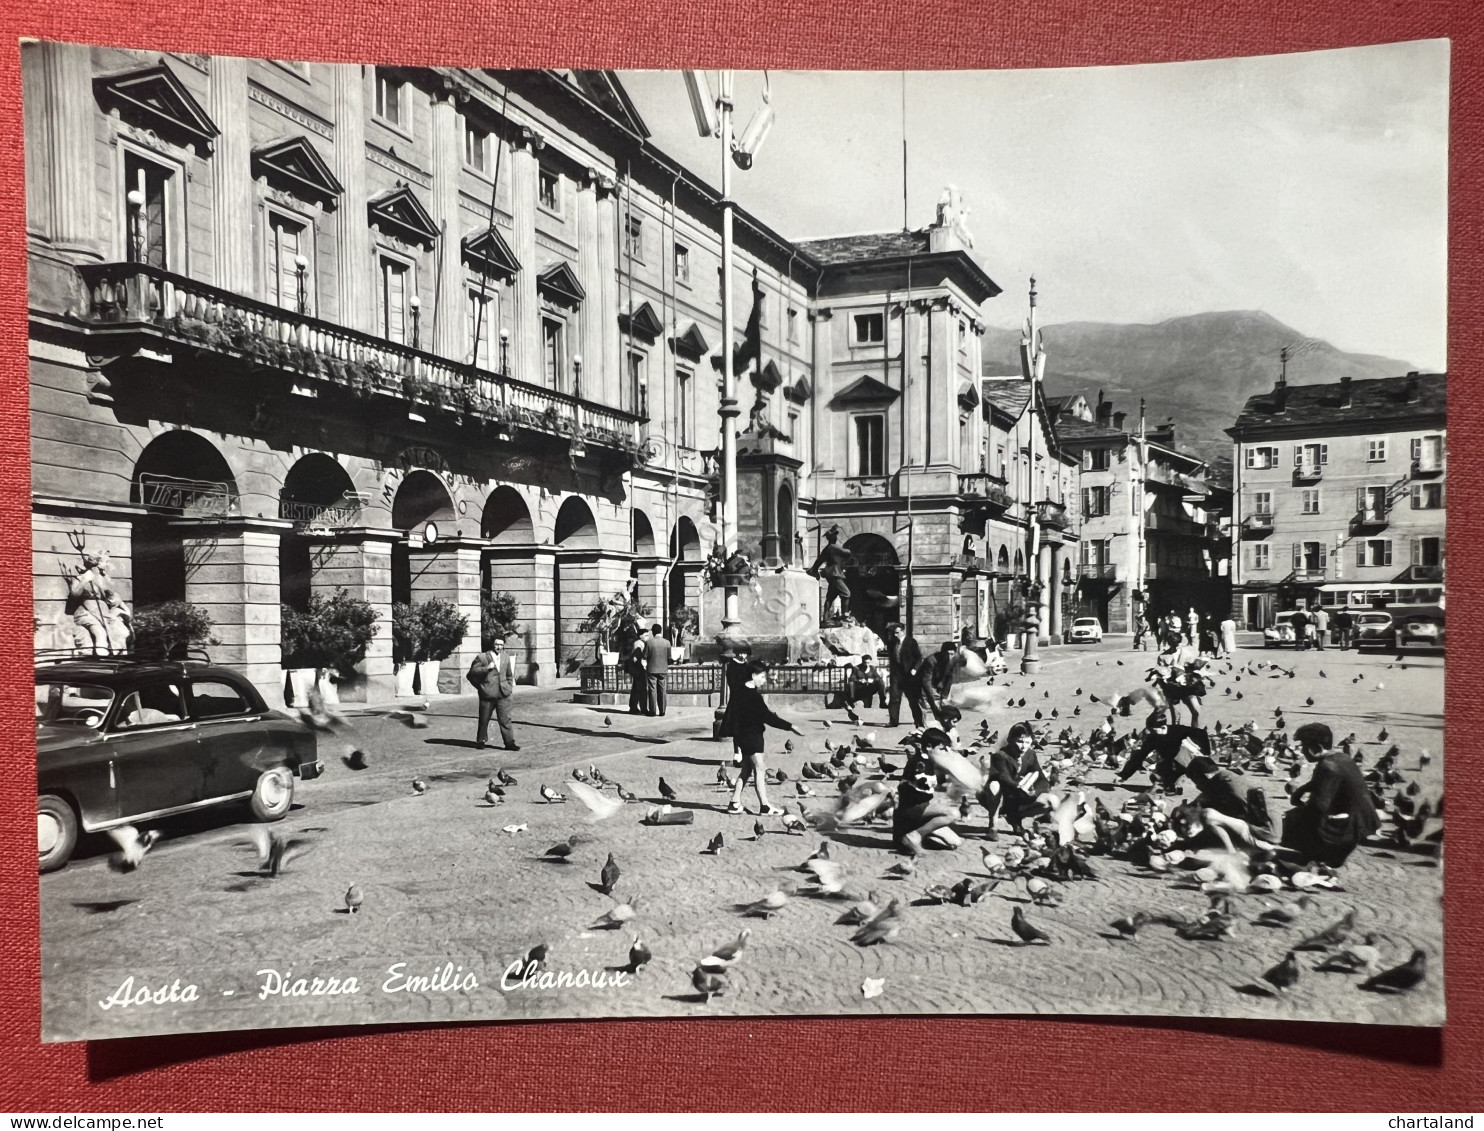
(1312,186)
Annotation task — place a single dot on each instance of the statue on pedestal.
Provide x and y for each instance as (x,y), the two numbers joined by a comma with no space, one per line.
(831,564)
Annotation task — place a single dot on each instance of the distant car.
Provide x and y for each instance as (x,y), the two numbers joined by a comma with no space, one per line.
(1374,630)
(1281,631)
(1087,628)
(1421,632)
(120,741)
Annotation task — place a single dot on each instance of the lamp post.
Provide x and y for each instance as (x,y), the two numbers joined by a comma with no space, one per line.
(416,304)
(136,225)
(1033,366)
(301,270)
(577,377)
(504,352)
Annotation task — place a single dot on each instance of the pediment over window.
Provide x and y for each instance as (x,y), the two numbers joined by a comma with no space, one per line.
(154,99)
(642,322)
(968,396)
(691,344)
(401,214)
(800,391)
(868,390)
(296,167)
(768,378)
(487,251)
(559,283)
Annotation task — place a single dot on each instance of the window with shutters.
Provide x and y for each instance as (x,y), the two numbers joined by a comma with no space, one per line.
(1371,552)
(1310,457)
(395,288)
(1095,501)
(1261,458)
(1262,504)
(682,264)
(870,445)
(1096,459)
(1376,450)
(1427,452)
(1262,557)
(481,316)
(1309,498)
(289,255)
(1370,503)
(1427,496)
(148,211)
(1310,557)
(1427,551)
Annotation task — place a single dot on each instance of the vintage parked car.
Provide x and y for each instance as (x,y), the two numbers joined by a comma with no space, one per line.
(1421,632)
(1087,628)
(1374,630)
(119,741)
(1281,631)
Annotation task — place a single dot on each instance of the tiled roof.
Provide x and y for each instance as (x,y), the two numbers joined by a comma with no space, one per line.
(1074,428)
(1381,399)
(836,250)
(1009,396)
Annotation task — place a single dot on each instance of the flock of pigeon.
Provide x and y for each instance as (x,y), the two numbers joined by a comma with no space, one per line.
(853,786)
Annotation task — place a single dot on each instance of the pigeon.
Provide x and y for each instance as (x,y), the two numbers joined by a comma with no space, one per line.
(355,760)
(882,927)
(1129,925)
(275,849)
(317,715)
(419,786)
(938,893)
(579,774)
(862,911)
(638,956)
(1027,931)
(505,779)
(665,791)
(792,825)
(353,899)
(788,745)
(901,870)
(1401,978)
(714,846)
(802,790)
(708,983)
(993,863)
(561,851)
(623,794)
(829,876)
(615,917)
(601,806)
(1285,974)
(1363,958)
(769,905)
(758,829)
(409,720)
(132,846)
(607,722)
(551,796)
(1333,935)
(608,876)
(1276,917)
(724,955)
(967,892)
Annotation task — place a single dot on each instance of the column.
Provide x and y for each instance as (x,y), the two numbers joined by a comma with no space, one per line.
(1043,575)
(605,299)
(528,573)
(525,344)
(232,572)
(66,83)
(589,274)
(448,337)
(583,578)
(231,178)
(355,271)
(1056,589)
(451,572)
(823,459)
(361,563)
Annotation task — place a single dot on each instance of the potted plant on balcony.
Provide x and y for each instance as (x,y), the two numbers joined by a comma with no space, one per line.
(323,643)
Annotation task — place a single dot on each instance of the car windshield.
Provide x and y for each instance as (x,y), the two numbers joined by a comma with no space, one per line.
(1087,621)
(72,704)
(1375,618)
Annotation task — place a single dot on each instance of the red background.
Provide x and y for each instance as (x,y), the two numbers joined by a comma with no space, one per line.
(1014,1064)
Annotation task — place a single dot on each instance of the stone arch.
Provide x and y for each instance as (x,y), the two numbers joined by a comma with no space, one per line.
(422,498)
(1019,563)
(576,528)
(786,524)
(644,545)
(1002,563)
(506,519)
(179,474)
(875,581)
(315,480)
(317,494)
(685,541)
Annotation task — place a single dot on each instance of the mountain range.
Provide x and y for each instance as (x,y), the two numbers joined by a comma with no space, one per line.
(1198,369)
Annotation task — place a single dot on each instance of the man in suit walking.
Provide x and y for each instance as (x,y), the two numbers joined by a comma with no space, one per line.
(656,668)
(904,658)
(493,675)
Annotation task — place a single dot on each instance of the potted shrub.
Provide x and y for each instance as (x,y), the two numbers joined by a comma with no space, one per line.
(168,629)
(323,644)
(614,621)
(407,645)
(443,629)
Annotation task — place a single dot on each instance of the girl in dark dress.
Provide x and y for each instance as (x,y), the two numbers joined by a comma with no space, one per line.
(746,718)
(1007,768)
(920,812)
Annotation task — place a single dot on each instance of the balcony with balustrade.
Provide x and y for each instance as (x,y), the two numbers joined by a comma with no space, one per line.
(132,306)
(1370,518)
(985,490)
(1307,472)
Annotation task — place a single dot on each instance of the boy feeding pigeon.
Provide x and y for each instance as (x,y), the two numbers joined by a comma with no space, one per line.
(1333,811)
(745,721)
(921,817)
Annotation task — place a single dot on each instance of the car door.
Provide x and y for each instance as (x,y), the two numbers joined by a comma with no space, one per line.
(153,743)
(231,733)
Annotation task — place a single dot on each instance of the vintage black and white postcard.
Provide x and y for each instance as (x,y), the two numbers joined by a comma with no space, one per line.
(558,543)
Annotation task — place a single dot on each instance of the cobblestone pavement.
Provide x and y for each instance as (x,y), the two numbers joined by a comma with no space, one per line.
(443,883)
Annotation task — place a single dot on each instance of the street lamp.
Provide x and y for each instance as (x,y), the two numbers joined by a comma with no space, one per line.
(577,377)
(1033,366)
(136,225)
(301,269)
(504,352)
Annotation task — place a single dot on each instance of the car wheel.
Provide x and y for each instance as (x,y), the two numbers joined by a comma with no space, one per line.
(273,795)
(56,831)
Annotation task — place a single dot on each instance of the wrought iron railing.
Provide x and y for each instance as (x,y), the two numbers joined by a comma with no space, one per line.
(1097,570)
(1053,514)
(981,485)
(706,679)
(135,295)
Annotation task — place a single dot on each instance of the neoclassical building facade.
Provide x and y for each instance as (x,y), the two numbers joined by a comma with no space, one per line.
(424,332)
